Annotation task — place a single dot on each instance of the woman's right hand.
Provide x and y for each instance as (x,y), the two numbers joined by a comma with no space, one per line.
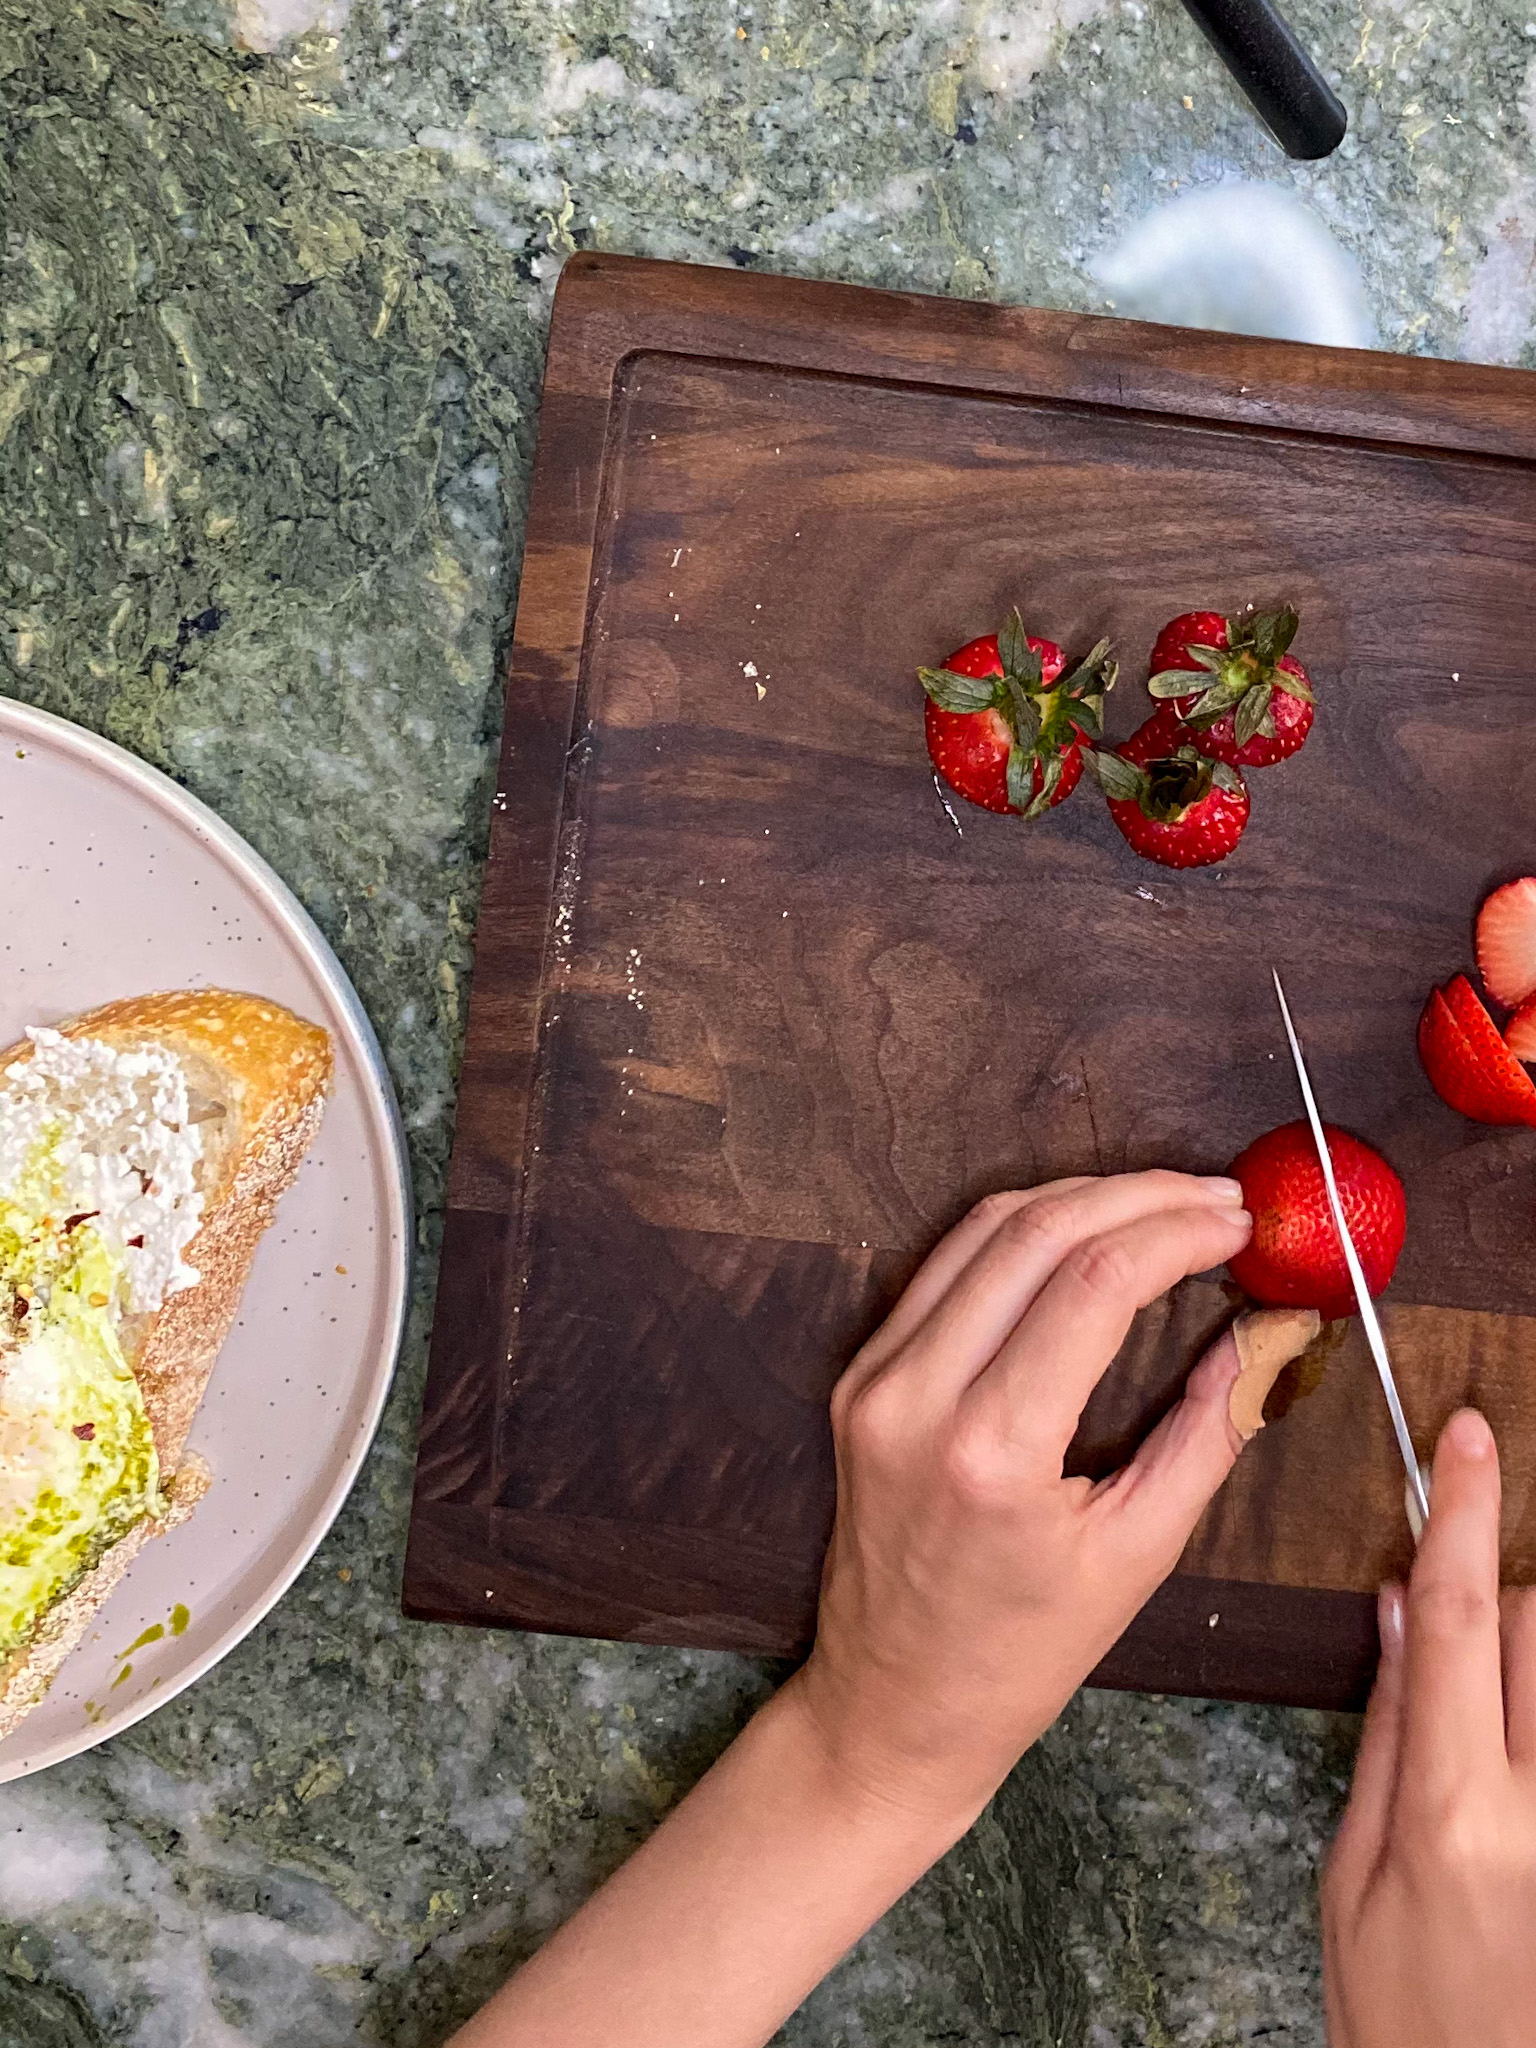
(1429,1901)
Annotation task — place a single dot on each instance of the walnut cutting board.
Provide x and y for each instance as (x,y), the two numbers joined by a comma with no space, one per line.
(756,1016)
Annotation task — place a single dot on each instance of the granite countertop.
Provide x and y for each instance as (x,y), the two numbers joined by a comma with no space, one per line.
(276,281)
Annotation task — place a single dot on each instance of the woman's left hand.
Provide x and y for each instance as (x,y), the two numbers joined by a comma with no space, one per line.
(970,1588)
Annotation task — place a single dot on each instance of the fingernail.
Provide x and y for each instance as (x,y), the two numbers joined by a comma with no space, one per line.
(1389,1620)
(1469,1434)
(1221,1189)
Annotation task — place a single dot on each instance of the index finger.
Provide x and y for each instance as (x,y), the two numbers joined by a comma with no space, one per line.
(1453,1715)
(1034,1392)
(1024,1239)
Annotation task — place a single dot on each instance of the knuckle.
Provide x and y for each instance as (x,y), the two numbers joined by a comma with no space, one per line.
(868,1422)
(1448,1610)
(972,1469)
(844,1395)
(994,1210)
(1447,1838)
(1043,1229)
(1104,1265)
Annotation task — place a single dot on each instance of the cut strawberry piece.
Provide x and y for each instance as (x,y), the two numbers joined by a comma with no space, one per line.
(1520,1031)
(1506,942)
(1468,1064)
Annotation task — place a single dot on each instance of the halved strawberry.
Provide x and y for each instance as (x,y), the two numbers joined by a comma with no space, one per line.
(1468,1064)
(1002,729)
(1506,942)
(1233,681)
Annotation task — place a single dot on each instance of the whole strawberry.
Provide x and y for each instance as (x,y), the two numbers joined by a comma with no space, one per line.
(1174,804)
(1248,701)
(1294,1258)
(1003,729)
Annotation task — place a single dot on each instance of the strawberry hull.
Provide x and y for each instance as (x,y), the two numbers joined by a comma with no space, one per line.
(1193,835)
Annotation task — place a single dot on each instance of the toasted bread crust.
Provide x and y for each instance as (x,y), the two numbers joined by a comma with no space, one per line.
(269,1071)
(27,1673)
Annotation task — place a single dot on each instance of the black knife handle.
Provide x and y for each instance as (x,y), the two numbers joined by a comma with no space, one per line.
(1291,96)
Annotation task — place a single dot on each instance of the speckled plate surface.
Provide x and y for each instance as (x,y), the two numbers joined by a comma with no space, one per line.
(118,883)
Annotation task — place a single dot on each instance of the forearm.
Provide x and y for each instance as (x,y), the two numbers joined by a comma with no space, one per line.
(734,1909)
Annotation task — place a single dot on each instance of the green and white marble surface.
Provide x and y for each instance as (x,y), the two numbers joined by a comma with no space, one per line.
(275,285)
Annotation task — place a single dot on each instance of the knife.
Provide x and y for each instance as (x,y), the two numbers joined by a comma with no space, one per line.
(1417,1498)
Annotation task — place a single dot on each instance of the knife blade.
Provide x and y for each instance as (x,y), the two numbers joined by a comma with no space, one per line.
(1418,1493)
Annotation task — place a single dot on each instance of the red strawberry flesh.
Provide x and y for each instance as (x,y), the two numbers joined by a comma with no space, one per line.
(970,751)
(1294,1258)
(1468,1064)
(1520,1032)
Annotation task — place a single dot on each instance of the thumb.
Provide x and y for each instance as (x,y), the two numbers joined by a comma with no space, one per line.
(1169,1483)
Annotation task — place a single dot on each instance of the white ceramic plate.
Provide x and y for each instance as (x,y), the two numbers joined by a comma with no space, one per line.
(118,883)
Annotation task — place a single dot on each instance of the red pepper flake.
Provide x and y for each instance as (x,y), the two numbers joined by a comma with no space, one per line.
(86,1431)
(84,1216)
(135,1244)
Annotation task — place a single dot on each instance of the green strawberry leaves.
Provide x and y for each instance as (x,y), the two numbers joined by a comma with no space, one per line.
(1269,633)
(1045,721)
(1018,657)
(1166,788)
(953,692)
(1241,677)
(1177,682)
(1121,780)
(1025,716)
(1252,710)
(1293,686)
(1051,772)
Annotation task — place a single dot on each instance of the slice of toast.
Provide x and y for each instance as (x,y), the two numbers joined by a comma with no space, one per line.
(257,1077)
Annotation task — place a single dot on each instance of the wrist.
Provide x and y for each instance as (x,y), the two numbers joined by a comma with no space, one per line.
(916,1804)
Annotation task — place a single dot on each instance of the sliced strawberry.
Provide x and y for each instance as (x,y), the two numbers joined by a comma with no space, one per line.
(1520,1031)
(1506,942)
(1468,1064)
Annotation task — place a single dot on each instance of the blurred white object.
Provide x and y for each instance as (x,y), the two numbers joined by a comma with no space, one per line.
(266,24)
(1244,259)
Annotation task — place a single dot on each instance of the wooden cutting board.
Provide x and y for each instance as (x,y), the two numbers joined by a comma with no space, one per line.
(756,1015)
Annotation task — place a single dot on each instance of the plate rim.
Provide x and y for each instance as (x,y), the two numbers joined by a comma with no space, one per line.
(165,792)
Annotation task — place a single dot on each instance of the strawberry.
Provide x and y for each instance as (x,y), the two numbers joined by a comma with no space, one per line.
(1003,730)
(1468,1064)
(1249,701)
(1174,804)
(1294,1258)
(1506,942)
